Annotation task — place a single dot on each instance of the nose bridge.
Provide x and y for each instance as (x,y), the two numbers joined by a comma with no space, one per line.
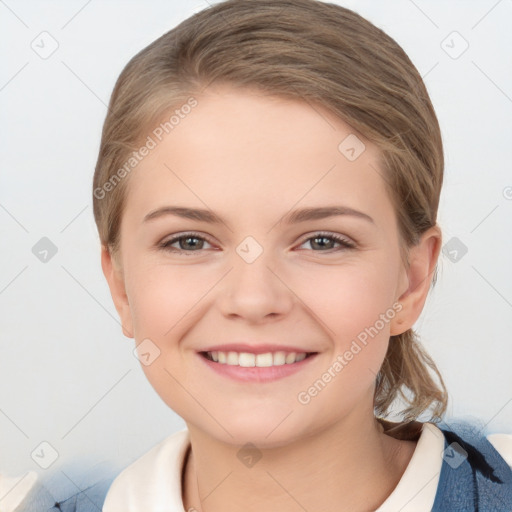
(252,288)
(251,261)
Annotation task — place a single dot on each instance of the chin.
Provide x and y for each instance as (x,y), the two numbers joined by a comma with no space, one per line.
(263,430)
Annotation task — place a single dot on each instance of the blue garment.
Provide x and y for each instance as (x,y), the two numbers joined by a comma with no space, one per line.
(72,488)
(474,477)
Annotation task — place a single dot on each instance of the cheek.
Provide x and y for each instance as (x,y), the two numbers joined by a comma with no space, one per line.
(347,299)
(161,296)
(164,303)
(353,304)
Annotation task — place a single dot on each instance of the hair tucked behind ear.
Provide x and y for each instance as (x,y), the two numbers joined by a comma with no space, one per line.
(310,51)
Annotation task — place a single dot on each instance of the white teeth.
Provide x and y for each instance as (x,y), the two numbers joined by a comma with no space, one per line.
(279,358)
(232,358)
(290,358)
(264,359)
(247,359)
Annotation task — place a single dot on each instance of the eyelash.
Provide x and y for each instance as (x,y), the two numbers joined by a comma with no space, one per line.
(344,242)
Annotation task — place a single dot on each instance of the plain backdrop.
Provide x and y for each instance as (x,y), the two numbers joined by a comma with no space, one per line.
(68,376)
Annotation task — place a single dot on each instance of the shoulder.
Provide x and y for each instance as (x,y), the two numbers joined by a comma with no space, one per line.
(153,480)
(476,469)
(497,446)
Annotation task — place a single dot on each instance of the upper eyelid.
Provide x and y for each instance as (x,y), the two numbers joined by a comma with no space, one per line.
(178,236)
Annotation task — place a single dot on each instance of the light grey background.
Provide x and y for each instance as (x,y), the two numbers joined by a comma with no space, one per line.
(67,374)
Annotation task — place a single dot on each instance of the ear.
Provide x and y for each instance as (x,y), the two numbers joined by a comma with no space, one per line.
(417,280)
(115,279)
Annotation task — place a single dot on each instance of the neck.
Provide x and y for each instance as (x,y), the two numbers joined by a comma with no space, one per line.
(339,469)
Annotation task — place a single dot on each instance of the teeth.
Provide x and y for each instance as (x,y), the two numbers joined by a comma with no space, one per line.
(290,358)
(264,359)
(247,359)
(279,358)
(232,358)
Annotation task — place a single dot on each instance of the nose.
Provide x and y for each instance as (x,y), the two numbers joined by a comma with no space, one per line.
(255,290)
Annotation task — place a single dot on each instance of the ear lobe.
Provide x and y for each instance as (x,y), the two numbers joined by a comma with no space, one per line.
(115,279)
(418,277)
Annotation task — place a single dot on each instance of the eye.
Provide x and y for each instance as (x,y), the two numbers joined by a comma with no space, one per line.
(187,242)
(193,242)
(322,240)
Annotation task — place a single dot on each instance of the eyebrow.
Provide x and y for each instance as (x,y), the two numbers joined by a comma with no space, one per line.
(294,217)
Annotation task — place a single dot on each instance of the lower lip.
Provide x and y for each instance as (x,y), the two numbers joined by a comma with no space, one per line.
(256,373)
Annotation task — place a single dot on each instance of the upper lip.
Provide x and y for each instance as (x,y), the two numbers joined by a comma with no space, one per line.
(254,349)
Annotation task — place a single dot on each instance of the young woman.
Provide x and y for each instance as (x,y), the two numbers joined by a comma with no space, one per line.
(266,196)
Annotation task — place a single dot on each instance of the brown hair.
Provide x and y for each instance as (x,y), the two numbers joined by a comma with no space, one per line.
(310,51)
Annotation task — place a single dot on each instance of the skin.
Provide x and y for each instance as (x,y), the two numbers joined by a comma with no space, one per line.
(252,158)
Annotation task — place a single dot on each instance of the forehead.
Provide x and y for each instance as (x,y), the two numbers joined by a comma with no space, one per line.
(243,151)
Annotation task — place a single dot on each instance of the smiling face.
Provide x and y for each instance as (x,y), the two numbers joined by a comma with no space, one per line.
(258,277)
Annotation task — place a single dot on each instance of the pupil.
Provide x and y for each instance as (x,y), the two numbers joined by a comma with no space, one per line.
(321,238)
(187,240)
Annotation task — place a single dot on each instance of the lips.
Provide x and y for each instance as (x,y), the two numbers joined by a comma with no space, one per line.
(262,363)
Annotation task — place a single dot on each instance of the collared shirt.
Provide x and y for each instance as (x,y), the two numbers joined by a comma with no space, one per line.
(153,482)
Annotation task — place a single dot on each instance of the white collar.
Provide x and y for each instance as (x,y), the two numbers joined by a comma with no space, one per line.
(416,490)
(153,482)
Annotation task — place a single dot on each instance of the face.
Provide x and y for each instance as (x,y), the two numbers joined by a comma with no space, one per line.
(258,280)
